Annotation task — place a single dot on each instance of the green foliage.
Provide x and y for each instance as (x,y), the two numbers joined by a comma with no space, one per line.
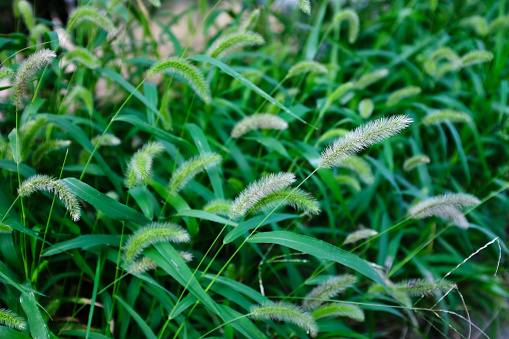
(204,201)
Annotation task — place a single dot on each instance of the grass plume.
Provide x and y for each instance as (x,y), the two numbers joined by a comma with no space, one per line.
(139,168)
(186,70)
(188,170)
(27,69)
(81,55)
(443,115)
(359,235)
(403,93)
(339,310)
(446,206)
(297,199)
(286,312)
(366,108)
(229,42)
(362,137)
(306,67)
(219,206)
(256,122)
(41,182)
(414,161)
(353,23)
(258,190)
(152,234)
(10,319)
(90,14)
(327,290)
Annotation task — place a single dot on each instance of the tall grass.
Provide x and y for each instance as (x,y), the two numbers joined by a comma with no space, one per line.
(266,171)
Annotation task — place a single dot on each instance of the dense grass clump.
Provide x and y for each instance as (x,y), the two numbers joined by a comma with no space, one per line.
(254,169)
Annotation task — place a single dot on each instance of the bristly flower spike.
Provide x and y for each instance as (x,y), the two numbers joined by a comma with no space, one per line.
(27,69)
(416,160)
(306,67)
(46,183)
(256,122)
(359,235)
(152,234)
(327,290)
(362,137)
(258,190)
(339,310)
(10,319)
(89,13)
(283,311)
(353,23)
(188,170)
(305,6)
(229,42)
(186,70)
(139,168)
(445,206)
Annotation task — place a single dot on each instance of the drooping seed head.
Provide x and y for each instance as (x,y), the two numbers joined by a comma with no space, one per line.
(339,310)
(353,23)
(10,319)
(362,137)
(305,6)
(365,108)
(414,161)
(139,168)
(186,70)
(439,116)
(370,78)
(219,206)
(306,67)
(295,198)
(259,189)
(327,290)
(286,312)
(256,122)
(359,235)
(229,42)
(81,55)
(403,93)
(152,234)
(27,69)
(360,166)
(91,14)
(188,170)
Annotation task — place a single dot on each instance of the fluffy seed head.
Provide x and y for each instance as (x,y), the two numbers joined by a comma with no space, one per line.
(358,235)
(107,140)
(46,147)
(139,168)
(27,69)
(476,57)
(41,182)
(445,206)
(339,92)
(362,137)
(416,160)
(418,287)
(26,11)
(259,189)
(353,23)
(256,122)
(188,170)
(403,93)
(327,290)
(305,6)
(365,108)
(10,319)
(229,42)
(82,56)
(186,256)
(371,78)
(91,14)
(443,115)
(349,181)
(142,265)
(360,166)
(219,206)
(296,198)
(5,228)
(5,73)
(186,70)
(499,23)
(477,23)
(286,312)
(152,234)
(250,21)
(339,310)
(306,67)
